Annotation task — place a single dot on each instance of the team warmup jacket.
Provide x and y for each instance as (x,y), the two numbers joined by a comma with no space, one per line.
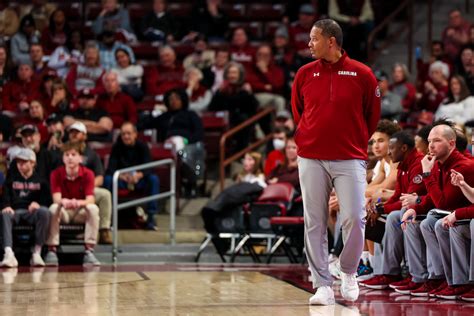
(409,180)
(441,193)
(336,108)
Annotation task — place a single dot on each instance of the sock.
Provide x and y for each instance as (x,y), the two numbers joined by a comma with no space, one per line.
(37,249)
(365,257)
(8,250)
(89,247)
(371,260)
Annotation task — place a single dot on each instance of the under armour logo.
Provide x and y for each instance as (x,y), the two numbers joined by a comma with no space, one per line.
(316,74)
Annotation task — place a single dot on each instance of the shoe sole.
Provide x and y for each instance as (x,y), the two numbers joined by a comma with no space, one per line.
(395,286)
(329,302)
(376,287)
(420,294)
(403,291)
(447,297)
(467,299)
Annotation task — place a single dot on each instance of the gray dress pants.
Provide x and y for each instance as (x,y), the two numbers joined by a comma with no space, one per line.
(317,178)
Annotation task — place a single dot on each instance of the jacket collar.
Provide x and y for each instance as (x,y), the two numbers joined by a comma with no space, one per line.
(454,157)
(337,65)
(409,160)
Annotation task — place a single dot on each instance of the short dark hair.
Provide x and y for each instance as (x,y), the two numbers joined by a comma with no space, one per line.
(330,28)
(387,127)
(443,121)
(424,132)
(461,140)
(404,138)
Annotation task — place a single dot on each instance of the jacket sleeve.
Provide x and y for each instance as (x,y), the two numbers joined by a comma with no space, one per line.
(465,212)
(425,206)
(416,186)
(6,196)
(394,202)
(297,102)
(372,103)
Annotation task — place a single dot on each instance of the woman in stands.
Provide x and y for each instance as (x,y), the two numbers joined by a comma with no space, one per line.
(436,88)
(236,96)
(20,42)
(61,101)
(57,32)
(459,105)
(129,75)
(288,170)
(199,95)
(67,55)
(401,87)
(87,74)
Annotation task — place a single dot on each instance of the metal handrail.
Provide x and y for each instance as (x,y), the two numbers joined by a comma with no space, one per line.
(171,193)
(371,53)
(223,162)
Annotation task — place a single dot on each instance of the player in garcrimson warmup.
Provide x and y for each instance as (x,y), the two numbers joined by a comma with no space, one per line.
(336,106)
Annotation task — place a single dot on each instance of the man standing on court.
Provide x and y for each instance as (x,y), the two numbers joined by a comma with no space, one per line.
(336,106)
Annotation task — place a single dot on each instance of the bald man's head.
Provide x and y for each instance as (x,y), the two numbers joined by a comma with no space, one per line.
(446,131)
(442,142)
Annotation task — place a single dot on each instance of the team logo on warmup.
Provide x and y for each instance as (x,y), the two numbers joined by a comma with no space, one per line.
(316,74)
(347,73)
(377,92)
(417,179)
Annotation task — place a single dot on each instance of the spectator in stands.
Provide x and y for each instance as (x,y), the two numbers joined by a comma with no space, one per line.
(436,89)
(299,33)
(119,106)
(275,154)
(57,32)
(37,116)
(202,57)
(285,57)
(210,20)
(40,10)
(391,103)
(17,94)
(240,49)
(61,100)
(103,198)
(458,107)
(20,42)
(46,90)
(284,119)
(421,139)
(129,151)
(98,123)
(40,67)
(464,66)
(87,74)
(199,95)
(26,197)
(6,68)
(356,19)
(72,187)
(402,87)
(56,132)
(159,25)
(167,75)
(108,45)
(129,75)
(287,171)
(64,57)
(267,79)
(456,34)
(9,20)
(236,96)
(45,160)
(437,53)
(214,75)
(112,17)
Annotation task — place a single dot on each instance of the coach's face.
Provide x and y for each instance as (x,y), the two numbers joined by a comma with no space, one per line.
(318,44)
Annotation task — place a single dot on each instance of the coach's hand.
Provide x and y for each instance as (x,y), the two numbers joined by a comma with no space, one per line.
(408,217)
(448,221)
(8,210)
(427,163)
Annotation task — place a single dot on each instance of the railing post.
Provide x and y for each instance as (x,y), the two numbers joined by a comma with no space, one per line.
(115,215)
(173,204)
(410,35)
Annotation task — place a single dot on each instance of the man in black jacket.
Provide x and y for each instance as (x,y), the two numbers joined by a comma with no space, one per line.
(128,151)
(26,197)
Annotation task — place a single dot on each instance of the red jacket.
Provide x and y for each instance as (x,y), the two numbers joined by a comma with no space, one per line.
(17,91)
(120,108)
(161,79)
(274,77)
(81,77)
(409,180)
(274,159)
(441,193)
(336,108)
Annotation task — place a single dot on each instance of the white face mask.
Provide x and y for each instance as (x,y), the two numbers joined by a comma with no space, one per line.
(278,144)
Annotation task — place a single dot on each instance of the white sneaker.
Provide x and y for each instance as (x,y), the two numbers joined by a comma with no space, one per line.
(335,269)
(36,260)
(9,260)
(323,296)
(349,287)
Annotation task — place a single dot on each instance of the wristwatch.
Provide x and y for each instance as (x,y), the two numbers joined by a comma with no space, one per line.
(425,174)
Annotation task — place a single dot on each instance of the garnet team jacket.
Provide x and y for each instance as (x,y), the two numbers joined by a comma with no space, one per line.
(336,108)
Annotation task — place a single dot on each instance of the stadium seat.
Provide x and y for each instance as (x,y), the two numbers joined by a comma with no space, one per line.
(265,12)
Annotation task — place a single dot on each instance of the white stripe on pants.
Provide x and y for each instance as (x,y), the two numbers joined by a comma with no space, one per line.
(317,178)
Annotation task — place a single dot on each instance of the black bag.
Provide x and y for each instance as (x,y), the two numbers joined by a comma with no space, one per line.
(375,233)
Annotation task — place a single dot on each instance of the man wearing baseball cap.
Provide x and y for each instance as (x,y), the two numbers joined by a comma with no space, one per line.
(26,196)
(103,197)
(97,121)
